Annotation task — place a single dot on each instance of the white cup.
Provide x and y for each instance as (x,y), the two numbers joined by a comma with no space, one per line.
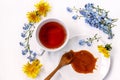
(41,25)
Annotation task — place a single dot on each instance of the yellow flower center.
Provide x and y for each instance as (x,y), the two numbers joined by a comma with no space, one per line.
(104,51)
(32,69)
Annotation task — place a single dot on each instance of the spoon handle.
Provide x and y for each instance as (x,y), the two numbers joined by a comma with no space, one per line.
(52,73)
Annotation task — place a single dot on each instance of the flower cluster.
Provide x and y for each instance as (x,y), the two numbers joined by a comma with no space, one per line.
(89,41)
(42,8)
(95,17)
(105,50)
(32,69)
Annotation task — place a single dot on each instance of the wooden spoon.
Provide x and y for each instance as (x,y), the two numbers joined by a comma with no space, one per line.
(65,60)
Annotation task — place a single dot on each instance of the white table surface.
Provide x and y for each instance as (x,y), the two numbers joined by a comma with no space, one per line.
(13,16)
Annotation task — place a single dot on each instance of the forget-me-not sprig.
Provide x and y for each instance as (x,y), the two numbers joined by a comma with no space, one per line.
(83,42)
(89,41)
(95,17)
(76,16)
(28,30)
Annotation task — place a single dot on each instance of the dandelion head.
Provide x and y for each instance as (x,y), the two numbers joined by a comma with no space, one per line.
(33,17)
(104,51)
(42,8)
(32,69)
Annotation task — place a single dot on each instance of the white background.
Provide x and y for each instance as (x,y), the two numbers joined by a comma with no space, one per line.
(13,16)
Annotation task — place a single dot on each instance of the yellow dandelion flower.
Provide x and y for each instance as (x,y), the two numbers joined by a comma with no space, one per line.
(42,7)
(32,69)
(33,17)
(104,51)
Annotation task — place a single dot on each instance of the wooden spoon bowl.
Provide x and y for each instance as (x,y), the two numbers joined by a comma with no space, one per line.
(65,60)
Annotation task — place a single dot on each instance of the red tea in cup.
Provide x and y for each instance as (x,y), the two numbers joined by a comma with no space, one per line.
(52,34)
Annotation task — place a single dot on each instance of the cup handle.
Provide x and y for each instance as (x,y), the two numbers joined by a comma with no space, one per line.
(40,54)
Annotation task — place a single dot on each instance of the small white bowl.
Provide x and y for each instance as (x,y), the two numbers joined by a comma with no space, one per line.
(43,23)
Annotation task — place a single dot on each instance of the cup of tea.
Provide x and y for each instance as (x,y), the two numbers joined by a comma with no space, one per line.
(52,34)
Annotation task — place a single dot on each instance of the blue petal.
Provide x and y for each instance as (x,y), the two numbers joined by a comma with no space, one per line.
(110,35)
(81,42)
(24,52)
(34,54)
(30,58)
(89,6)
(23,35)
(69,9)
(105,31)
(82,12)
(89,44)
(87,20)
(31,51)
(75,17)
(26,26)
(21,44)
